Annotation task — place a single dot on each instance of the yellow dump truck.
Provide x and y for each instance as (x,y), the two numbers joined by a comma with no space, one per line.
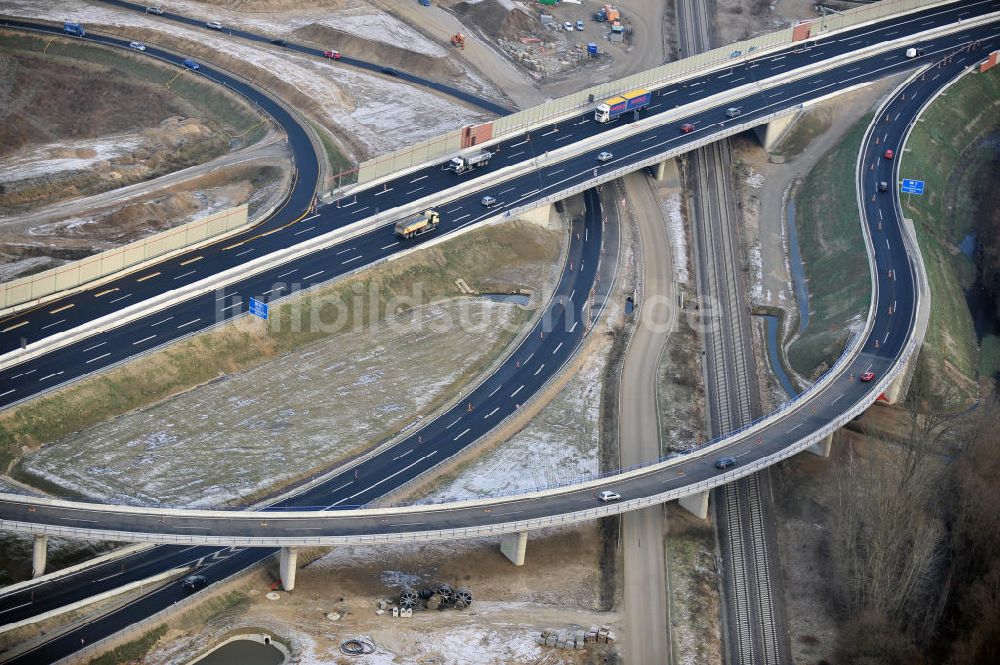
(418,224)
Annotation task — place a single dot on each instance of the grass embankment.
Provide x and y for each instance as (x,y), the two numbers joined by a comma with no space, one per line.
(242,345)
(833,253)
(947,152)
(71,90)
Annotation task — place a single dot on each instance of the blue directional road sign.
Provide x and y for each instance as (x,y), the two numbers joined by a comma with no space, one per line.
(258,308)
(912,186)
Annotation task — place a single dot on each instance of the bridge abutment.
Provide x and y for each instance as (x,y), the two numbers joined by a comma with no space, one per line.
(696,504)
(287,565)
(513,545)
(822,448)
(38,556)
(770,135)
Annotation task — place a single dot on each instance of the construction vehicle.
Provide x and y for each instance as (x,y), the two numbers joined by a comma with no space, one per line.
(607,13)
(464,163)
(418,224)
(458,40)
(611,109)
(74,29)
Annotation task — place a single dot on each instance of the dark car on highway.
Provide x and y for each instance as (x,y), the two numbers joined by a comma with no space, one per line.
(725,462)
(193,583)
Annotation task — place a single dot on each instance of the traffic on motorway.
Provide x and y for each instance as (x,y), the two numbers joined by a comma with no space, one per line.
(69,363)
(891,324)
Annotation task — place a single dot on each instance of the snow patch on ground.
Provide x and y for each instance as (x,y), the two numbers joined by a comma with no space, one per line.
(386,29)
(55,157)
(757,270)
(671,206)
(755,178)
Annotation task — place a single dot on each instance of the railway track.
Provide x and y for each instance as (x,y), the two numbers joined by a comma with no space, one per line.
(753,621)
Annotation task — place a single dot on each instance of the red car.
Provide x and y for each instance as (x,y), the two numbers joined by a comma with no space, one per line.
(867,376)
(333,55)
(889,154)
(687,128)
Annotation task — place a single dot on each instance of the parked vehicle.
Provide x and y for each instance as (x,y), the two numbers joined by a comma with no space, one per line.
(137,46)
(333,55)
(725,462)
(612,108)
(418,224)
(567,26)
(579,25)
(74,29)
(464,163)
(191,64)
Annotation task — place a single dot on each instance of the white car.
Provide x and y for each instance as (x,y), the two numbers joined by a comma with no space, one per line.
(568,26)
(137,46)
(604,157)
(489,201)
(607,496)
(214,25)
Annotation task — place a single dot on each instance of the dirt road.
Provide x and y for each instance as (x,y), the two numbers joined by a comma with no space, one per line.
(646,627)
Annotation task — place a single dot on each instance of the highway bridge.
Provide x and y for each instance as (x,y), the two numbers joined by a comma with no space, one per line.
(834,400)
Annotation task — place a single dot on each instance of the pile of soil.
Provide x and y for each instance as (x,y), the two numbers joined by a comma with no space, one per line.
(492,18)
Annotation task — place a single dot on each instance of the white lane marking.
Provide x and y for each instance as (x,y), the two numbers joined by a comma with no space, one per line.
(7,393)
(540,368)
(49,376)
(413,191)
(384,191)
(245,252)
(530,356)
(794,428)
(491,413)
(189,272)
(144,339)
(91,348)
(349,260)
(344,251)
(509,189)
(360,210)
(348,205)
(455,421)
(886,338)
(521,143)
(418,179)
(235,304)
(57,322)
(127,295)
(564,137)
(887,244)
(386,479)
(516,154)
(554,130)
(277,288)
(184,325)
(313,275)
(459,219)
(16,607)
(556,171)
(516,391)
(572,293)
(495,390)
(780,57)
(92,360)
(556,350)
(880,213)
(305,230)
(586,237)
(224,297)
(464,432)
(408,523)
(575,324)
(722,76)
(837,399)
(153,325)
(343,486)
(391,244)
(667,92)
(286,274)
(454,209)
(649,138)
(854,69)
(403,455)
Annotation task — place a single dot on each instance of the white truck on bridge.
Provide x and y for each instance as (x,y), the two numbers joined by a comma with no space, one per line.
(461,164)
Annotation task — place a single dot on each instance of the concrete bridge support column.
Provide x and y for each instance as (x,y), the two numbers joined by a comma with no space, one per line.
(38,556)
(770,135)
(540,215)
(696,504)
(512,546)
(666,172)
(822,448)
(287,565)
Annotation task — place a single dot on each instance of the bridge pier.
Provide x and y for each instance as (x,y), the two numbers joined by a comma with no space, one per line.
(666,171)
(696,504)
(540,215)
(512,546)
(287,565)
(822,448)
(771,134)
(38,556)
